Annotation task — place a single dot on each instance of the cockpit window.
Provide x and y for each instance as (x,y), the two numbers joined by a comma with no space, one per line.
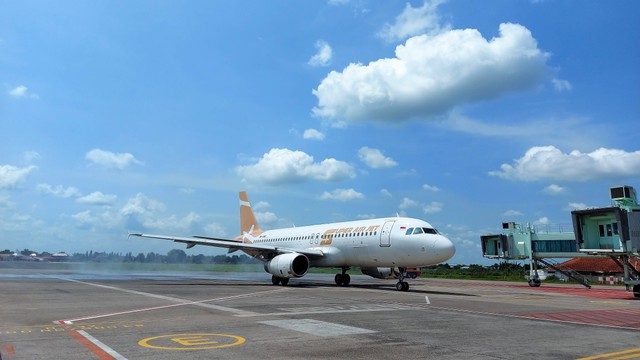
(417,231)
(409,231)
(430,231)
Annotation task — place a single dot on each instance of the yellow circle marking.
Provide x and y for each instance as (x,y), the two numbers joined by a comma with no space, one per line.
(197,341)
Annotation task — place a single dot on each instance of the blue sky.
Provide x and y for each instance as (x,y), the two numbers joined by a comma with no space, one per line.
(120,116)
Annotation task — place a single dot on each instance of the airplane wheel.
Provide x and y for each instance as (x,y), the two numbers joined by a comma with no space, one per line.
(636,290)
(400,285)
(284,281)
(338,279)
(405,286)
(346,279)
(275,280)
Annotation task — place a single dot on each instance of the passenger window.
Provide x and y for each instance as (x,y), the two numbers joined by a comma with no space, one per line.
(409,231)
(417,231)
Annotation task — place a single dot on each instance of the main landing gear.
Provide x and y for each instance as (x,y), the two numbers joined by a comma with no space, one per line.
(402,285)
(279,280)
(343,279)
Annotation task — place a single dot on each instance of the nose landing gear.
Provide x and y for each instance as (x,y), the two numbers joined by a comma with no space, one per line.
(402,285)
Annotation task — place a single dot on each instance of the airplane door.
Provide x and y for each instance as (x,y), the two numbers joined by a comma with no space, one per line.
(385,234)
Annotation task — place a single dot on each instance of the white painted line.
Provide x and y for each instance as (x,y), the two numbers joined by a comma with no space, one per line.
(332,310)
(317,328)
(427,298)
(101,345)
(180,302)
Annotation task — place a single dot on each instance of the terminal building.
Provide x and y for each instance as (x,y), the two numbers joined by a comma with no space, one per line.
(608,232)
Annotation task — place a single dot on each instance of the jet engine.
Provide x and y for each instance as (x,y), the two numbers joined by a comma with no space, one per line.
(381,273)
(288,265)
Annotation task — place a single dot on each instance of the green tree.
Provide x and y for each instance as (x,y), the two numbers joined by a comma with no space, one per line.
(176,256)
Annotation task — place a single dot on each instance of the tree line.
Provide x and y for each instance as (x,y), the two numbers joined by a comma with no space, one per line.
(174,256)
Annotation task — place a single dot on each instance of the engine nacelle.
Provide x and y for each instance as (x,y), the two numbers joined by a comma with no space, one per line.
(287,265)
(381,273)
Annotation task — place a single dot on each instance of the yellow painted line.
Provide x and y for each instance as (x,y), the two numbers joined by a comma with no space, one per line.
(619,355)
(198,341)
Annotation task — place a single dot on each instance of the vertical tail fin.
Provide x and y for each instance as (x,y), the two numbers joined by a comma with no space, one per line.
(248,223)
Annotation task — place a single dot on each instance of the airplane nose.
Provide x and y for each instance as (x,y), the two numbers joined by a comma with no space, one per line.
(445,248)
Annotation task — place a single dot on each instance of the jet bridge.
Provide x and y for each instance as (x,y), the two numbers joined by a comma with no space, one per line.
(612,231)
(534,244)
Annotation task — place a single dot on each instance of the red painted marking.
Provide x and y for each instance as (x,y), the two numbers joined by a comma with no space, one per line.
(590,293)
(613,293)
(7,349)
(628,318)
(101,354)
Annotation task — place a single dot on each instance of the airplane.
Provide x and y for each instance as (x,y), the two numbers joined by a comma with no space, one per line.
(383,248)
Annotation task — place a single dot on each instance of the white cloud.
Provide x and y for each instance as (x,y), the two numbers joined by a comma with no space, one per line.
(11,175)
(577,206)
(430,188)
(280,166)
(216,230)
(313,134)
(554,129)
(59,190)
(542,221)
(266,217)
(88,219)
(22,91)
(97,198)
(554,189)
(386,193)
(31,156)
(561,85)
(261,205)
(375,159)
(407,203)
(433,207)
(547,162)
(112,160)
(432,74)
(5,202)
(323,56)
(342,195)
(511,213)
(141,212)
(414,21)
(187,191)
(140,204)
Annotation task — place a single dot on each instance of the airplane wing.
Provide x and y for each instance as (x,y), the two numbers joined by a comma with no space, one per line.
(232,245)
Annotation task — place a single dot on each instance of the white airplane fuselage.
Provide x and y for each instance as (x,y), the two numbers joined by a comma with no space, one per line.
(380,242)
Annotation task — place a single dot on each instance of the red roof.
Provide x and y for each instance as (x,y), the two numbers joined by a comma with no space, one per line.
(604,265)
